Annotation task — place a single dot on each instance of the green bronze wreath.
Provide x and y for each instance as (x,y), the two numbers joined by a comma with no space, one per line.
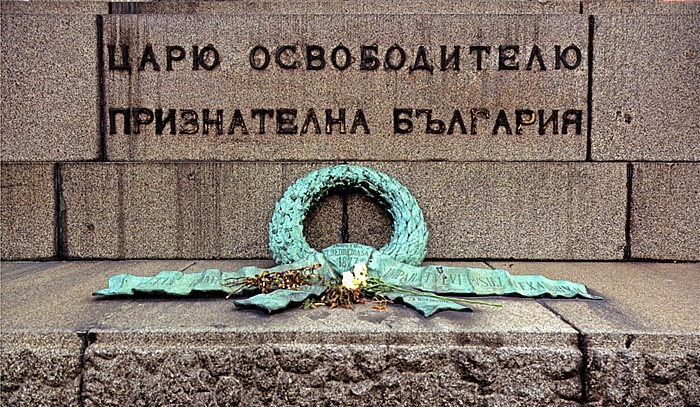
(408,243)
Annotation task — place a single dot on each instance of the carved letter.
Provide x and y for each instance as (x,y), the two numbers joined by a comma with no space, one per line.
(479,49)
(432,126)
(421,61)
(507,58)
(286,121)
(170,51)
(334,57)
(254,59)
(161,123)
(262,113)
(401,58)
(126,115)
(554,119)
(520,121)
(237,121)
(474,114)
(571,117)
(315,53)
(218,122)
(311,118)
(124,66)
(142,116)
(457,119)
(535,53)
(359,120)
(446,59)
(369,60)
(148,57)
(402,125)
(502,121)
(330,121)
(282,50)
(189,124)
(562,58)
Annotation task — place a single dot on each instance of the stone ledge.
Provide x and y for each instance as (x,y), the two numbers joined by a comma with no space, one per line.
(638,345)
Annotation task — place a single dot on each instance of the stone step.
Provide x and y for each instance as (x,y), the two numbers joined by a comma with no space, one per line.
(639,346)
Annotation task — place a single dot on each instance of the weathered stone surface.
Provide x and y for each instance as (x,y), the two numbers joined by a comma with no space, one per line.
(518,210)
(645,88)
(49,109)
(169,210)
(473,210)
(368,222)
(351,7)
(86,7)
(27,211)
(353,357)
(234,84)
(641,343)
(640,7)
(39,368)
(665,217)
(323,226)
(203,350)
(57,296)
(217,372)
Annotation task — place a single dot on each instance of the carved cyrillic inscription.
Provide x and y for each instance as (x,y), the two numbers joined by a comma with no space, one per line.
(390,87)
(363,57)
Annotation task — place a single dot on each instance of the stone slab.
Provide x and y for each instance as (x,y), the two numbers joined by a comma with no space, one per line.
(49,81)
(57,296)
(350,7)
(86,7)
(646,108)
(204,350)
(170,210)
(234,84)
(27,211)
(515,210)
(665,216)
(597,7)
(641,343)
(40,368)
(222,210)
(222,354)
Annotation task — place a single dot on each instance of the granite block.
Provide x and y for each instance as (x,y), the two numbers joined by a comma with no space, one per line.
(222,210)
(666,7)
(363,356)
(40,368)
(665,211)
(86,7)
(641,343)
(350,7)
(27,215)
(645,88)
(157,113)
(49,81)
(513,210)
(57,296)
(185,210)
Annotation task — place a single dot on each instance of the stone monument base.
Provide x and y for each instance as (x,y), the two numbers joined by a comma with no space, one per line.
(638,346)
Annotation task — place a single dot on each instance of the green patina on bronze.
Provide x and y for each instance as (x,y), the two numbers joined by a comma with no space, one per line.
(408,243)
(455,281)
(397,264)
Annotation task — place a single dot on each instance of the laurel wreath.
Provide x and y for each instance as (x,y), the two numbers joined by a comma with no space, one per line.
(408,243)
